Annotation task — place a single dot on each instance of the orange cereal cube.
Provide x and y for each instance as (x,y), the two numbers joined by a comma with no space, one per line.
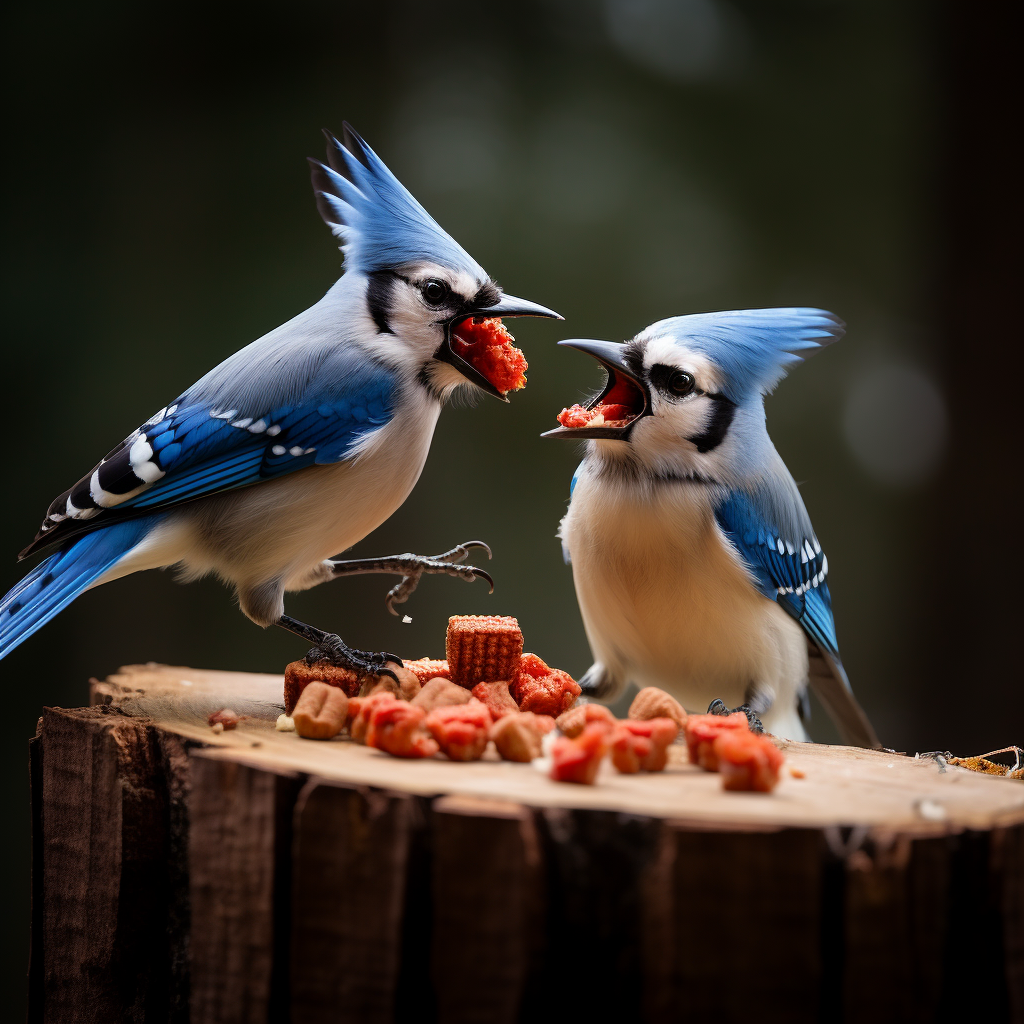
(483,648)
(298,675)
(427,668)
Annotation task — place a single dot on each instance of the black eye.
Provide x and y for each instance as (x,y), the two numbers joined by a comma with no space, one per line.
(680,382)
(435,292)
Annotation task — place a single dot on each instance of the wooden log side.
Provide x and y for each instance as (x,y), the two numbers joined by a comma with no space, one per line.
(486,902)
(239,867)
(1008,865)
(747,924)
(351,858)
(596,867)
(108,907)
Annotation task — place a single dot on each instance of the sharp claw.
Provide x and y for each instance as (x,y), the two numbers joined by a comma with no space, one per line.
(481,575)
(482,545)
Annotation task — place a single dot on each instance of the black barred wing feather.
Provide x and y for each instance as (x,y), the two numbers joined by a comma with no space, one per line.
(192,449)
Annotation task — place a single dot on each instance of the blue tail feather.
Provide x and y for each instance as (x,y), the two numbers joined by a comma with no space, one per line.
(53,584)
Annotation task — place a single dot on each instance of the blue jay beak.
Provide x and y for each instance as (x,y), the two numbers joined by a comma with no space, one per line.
(616,409)
(507,305)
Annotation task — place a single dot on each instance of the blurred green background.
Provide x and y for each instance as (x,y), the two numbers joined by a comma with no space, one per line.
(621,161)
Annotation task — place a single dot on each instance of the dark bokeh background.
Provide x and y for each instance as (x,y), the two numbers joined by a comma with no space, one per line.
(621,161)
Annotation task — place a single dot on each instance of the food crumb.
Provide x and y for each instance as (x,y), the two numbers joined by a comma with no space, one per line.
(407,619)
(285,723)
(797,773)
(225,718)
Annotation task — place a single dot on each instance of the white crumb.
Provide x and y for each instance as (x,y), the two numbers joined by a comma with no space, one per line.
(217,727)
(185,682)
(407,618)
(285,724)
(930,810)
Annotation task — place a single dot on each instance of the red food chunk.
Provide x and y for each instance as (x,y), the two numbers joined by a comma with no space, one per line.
(360,711)
(575,416)
(578,760)
(496,698)
(701,732)
(543,690)
(462,730)
(396,727)
(642,746)
(487,346)
(748,761)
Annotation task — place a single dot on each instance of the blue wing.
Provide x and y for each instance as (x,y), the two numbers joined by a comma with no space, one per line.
(195,447)
(787,562)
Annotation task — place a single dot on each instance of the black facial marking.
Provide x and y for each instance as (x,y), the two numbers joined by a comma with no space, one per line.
(722,412)
(664,378)
(378,298)
(487,295)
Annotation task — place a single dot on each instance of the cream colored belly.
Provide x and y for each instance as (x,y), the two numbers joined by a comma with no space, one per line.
(666,603)
(285,528)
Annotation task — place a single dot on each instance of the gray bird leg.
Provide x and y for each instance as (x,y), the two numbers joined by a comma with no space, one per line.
(330,647)
(411,567)
(718,707)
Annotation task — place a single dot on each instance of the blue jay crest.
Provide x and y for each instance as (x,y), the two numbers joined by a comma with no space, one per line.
(380,223)
(754,348)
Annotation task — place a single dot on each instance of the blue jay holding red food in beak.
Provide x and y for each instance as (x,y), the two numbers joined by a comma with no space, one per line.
(300,444)
(695,563)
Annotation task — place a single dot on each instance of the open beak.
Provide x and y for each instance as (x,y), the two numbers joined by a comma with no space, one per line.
(507,305)
(622,402)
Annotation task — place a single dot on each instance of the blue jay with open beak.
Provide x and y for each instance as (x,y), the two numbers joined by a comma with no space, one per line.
(297,446)
(695,563)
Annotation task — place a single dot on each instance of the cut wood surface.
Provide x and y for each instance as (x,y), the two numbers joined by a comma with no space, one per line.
(840,785)
(182,876)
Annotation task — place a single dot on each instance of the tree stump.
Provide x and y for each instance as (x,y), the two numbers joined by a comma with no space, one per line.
(252,876)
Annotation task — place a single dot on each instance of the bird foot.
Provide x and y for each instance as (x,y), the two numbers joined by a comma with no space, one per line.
(447,563)
(331,648)
(718,707)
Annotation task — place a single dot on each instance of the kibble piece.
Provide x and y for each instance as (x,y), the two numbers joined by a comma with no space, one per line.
(543,690)
(482,648)
(572,723)
(518,737)
(298,675)
(747,761)
(440,693)
(427,668)
(396,726)
(701,732)
(225,718)
(642,746)
(496,698)
(321,711)
(578,760)
(285,723)
(651,702)
(462,731)
(378,684)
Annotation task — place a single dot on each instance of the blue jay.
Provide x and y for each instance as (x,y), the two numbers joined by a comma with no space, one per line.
(695,563)
(300,444)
